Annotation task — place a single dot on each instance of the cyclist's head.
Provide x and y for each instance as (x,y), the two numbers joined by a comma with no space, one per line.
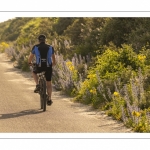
(41,38)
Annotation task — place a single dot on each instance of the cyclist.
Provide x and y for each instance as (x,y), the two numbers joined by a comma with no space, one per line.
(45,59)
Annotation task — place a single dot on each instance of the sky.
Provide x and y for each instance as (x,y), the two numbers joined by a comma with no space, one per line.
(5,18)
(98,8)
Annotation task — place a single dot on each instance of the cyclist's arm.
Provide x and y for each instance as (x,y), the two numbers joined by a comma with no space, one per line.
(31,56)
(53,57)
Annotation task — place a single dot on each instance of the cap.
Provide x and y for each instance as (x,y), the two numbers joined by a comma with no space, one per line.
(42,37)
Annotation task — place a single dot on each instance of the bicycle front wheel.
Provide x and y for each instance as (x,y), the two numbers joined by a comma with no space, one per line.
(44,95)
(41,95)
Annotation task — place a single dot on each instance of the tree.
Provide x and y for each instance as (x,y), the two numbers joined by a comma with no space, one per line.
(116,30)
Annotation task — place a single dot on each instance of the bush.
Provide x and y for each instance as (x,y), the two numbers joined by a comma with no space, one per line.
(3,46)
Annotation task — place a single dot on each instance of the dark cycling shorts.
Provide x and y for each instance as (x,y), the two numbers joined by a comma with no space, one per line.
(48,72)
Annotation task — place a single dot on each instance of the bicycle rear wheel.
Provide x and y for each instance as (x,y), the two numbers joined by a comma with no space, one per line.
(41,91)
(42,83)
(44,95)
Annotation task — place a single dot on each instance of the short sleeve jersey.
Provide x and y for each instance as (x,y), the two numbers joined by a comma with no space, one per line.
(43,49)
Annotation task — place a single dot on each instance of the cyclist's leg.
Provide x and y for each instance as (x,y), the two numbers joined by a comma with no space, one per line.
(48,76)
(35,76)
(49,89)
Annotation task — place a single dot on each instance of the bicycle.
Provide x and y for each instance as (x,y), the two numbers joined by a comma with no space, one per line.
(42,92)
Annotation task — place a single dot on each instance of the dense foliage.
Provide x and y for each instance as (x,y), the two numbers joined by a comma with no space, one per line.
(103,62)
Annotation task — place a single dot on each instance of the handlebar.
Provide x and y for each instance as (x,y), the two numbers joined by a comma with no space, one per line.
(31,69)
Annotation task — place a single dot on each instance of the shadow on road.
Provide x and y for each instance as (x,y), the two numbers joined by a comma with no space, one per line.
(21,113)
(25,74)
(14,69)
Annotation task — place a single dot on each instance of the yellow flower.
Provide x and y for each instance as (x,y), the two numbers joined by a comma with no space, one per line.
(136,114)
(68,63)
(91,76)
(141,57)
(4,44)
(91,91)
(116,94)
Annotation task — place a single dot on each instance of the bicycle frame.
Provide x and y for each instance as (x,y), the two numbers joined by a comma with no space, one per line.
(42,92)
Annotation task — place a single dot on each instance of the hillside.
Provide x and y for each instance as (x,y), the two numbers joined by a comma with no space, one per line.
(84,35)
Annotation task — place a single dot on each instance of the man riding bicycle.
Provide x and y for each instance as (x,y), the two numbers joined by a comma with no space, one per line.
(45,59)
